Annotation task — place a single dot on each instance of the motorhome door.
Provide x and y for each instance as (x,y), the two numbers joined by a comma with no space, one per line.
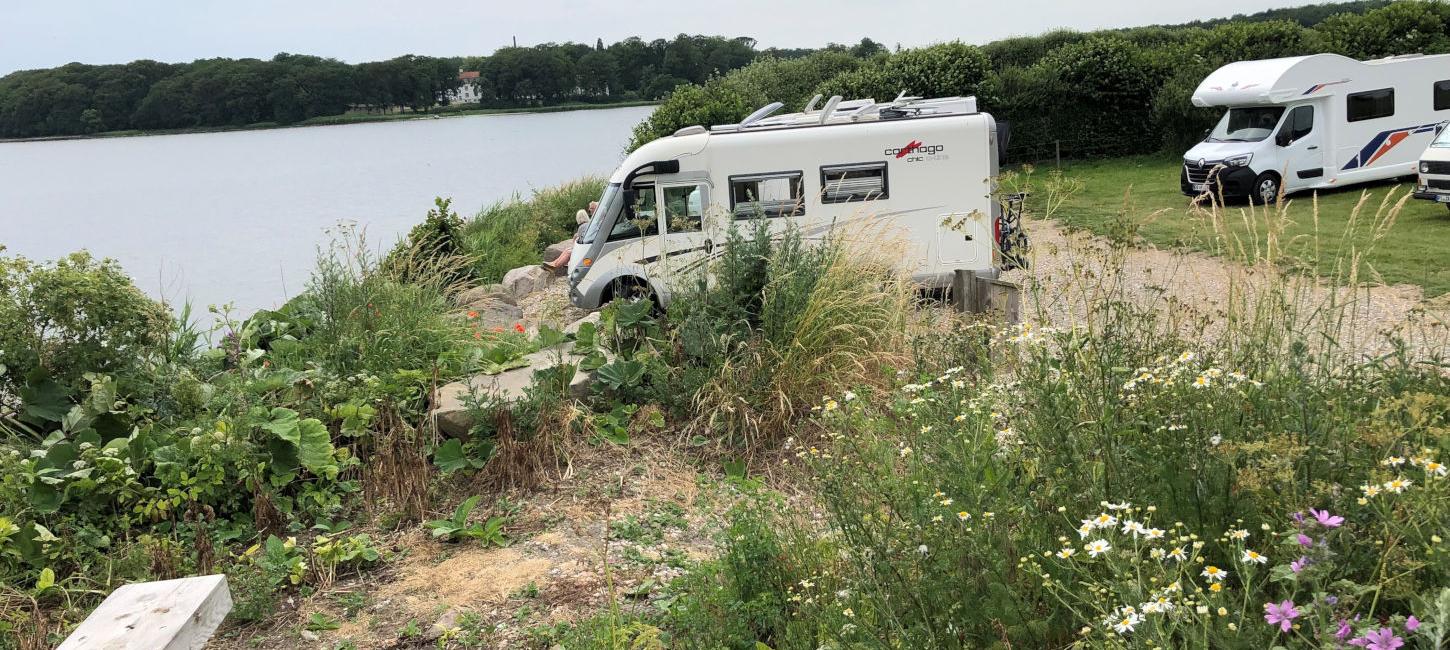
(685,243)
(1301,136)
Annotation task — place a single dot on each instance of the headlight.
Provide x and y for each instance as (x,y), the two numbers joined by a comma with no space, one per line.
(1424,167)
(1238,161)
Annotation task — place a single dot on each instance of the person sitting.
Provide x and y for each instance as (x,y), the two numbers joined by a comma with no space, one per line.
(582,217)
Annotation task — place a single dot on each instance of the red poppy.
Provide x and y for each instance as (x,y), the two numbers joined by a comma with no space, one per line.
(519,327)
(473,314)
(478,335)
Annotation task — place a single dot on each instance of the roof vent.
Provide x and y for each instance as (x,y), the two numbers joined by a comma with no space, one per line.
(761,113)
(691,130)
(830,108)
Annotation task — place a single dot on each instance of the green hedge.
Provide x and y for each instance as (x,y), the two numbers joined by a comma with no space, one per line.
(1102,93)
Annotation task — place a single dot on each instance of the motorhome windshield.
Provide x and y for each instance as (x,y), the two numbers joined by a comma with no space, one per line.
(608,203)
(1443,140)
(1246,124)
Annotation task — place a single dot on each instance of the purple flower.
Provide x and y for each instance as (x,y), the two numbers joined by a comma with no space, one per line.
(1412,623)
(1282,613)
(1298,517)
(1343,631)
(1305,540)
(1331,600)
(1299,564)
(1381,639)
(1325,519)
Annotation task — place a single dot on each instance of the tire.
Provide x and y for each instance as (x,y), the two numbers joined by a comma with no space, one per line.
(631,289)
(1266,189)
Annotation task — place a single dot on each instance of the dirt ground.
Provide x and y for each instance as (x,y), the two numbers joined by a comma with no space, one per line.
(646,504)
(1069,270)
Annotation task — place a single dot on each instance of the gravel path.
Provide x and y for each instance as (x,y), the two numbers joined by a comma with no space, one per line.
(1199,293)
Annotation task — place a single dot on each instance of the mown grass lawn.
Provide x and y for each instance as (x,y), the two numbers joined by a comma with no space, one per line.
(1416,249)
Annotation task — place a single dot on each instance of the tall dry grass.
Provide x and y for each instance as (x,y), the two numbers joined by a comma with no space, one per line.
(832,315)
(1248,287)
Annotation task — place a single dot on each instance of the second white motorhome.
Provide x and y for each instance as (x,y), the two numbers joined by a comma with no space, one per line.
(921,171)
(1434,181)
(1317,121)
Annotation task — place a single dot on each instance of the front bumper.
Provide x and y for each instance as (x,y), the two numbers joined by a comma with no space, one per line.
(1236,182)
(583,299)
(1432,195)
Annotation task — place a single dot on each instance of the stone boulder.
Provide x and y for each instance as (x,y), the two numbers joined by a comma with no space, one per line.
(573,328)
(468,297)
(494,313)
(525,280)
(450,402)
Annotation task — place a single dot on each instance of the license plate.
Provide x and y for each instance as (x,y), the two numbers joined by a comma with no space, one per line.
(1200,187)
(1443,198)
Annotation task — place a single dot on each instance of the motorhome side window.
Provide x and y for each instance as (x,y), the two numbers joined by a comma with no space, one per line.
(855,182)
(639,219)
(684,211)
(1370,105)
(1300,123)
(776,194)
(1442,95)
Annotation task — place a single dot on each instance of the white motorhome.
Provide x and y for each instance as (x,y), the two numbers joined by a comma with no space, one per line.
(921,171)
(1318,121)
(1434,181)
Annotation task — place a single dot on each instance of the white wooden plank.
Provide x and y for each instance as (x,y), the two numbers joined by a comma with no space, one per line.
(165,615)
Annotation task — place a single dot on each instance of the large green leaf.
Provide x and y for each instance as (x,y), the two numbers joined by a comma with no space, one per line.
(450,457)
(43,400)
(621,374)
(309,437)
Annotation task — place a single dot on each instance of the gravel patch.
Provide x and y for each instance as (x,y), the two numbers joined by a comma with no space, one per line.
(1199,293)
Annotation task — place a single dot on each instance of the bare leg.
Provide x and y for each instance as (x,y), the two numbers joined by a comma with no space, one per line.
(560,261)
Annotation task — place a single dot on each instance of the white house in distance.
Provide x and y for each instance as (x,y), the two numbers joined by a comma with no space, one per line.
(468,91)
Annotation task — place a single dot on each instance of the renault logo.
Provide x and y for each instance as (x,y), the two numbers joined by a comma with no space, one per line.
(1202,162)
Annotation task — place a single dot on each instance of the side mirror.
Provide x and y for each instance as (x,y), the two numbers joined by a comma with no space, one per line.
(1284,139)
(1206,132)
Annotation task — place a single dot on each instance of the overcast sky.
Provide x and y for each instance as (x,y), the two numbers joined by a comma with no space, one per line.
(46,33)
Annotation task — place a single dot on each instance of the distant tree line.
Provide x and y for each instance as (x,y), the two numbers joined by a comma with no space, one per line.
(1108,92)
(78,99)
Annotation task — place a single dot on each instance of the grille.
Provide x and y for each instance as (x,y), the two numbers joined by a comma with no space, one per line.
(1438,184)
(1437,166)
(1199,173)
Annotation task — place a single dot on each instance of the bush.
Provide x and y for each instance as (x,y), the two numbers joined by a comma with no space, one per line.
(433,253)
(728,99)
(785,323)
(364,320)
(936,71)
(69,317)
(513,233)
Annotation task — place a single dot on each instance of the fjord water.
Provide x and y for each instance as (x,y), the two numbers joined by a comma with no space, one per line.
(238,217)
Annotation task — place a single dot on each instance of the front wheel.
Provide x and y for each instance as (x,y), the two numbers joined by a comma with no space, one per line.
(631,290)
(1266,189)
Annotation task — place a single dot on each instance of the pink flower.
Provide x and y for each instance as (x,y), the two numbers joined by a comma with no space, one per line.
(1344,630)
(1325,519)
(1412,623)
(1299,564)
(1305,540)
(1282,613)
(1381,639)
